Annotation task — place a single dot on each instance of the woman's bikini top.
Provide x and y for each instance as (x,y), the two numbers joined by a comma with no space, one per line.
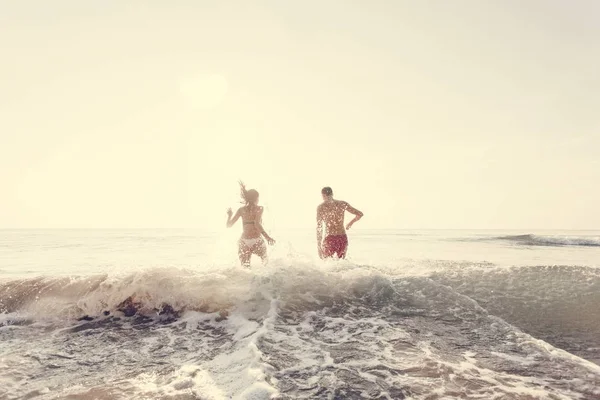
(248,222)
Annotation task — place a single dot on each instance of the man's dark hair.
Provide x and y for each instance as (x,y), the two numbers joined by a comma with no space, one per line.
(327,191)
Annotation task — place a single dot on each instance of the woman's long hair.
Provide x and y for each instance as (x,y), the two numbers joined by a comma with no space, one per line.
(249,197)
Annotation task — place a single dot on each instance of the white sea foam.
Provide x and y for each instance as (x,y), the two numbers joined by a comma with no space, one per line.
(304,329)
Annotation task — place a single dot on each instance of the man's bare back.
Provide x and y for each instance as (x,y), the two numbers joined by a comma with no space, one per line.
(331,214)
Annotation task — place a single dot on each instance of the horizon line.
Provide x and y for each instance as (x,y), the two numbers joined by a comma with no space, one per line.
(297,228)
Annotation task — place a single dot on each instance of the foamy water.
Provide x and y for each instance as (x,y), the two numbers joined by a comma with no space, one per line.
(410,314)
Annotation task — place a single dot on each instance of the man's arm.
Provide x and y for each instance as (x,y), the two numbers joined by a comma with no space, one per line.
(319,231)
(358,215)
(231,221)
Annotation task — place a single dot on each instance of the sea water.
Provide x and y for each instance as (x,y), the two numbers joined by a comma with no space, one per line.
(170,314)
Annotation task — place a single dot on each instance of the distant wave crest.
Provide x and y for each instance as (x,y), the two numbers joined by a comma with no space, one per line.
(538,240)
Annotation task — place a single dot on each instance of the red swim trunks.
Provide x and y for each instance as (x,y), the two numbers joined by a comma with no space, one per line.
(335,245)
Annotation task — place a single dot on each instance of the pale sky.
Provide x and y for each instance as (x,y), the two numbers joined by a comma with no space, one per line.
(422,114)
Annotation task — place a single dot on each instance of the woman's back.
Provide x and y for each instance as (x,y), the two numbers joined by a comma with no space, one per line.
(251,219)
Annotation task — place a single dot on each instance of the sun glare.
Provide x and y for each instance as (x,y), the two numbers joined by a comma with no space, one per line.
(204,91)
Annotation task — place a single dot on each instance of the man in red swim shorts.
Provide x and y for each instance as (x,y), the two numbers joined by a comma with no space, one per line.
(331,213)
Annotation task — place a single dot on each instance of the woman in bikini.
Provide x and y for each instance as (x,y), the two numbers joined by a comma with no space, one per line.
(251,241)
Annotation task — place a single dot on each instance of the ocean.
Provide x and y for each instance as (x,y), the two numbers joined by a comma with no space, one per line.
(170,314)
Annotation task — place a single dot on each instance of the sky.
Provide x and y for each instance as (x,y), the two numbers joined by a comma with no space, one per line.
(461,114)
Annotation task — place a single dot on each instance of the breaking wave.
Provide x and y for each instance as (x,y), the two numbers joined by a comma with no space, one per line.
(301,331)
